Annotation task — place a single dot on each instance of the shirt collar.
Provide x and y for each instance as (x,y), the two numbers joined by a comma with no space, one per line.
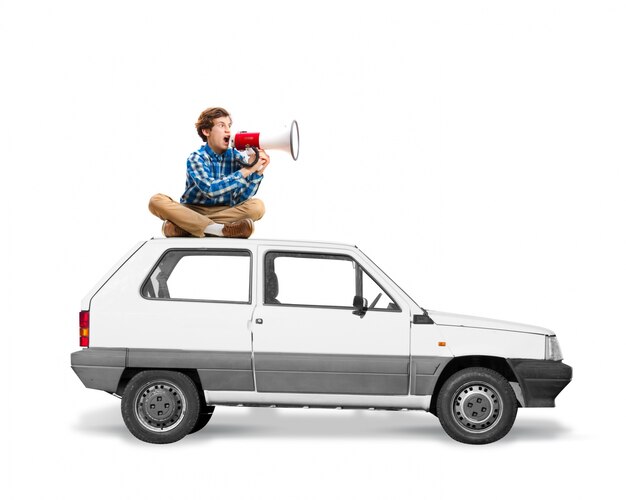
(213,154)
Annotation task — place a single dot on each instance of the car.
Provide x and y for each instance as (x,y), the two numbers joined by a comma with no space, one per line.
(182,325)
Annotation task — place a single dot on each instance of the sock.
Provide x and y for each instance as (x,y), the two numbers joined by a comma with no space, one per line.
(214,229)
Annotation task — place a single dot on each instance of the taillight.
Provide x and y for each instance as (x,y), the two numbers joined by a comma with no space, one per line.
(83,321)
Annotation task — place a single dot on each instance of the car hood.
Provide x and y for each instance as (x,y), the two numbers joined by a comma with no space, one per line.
(451,319)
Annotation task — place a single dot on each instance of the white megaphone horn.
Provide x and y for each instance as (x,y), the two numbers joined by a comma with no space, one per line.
(287,140)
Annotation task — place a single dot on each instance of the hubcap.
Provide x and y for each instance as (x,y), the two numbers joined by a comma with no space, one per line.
(476,407)
(160,406)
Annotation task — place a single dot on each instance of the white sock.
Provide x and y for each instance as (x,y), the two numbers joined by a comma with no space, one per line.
(214,229)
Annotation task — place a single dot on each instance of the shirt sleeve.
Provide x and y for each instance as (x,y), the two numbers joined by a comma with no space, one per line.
(205,176)
(252,183)
(254,180)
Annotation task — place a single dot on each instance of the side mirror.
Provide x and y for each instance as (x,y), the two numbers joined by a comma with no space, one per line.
(360,306)
(422,319)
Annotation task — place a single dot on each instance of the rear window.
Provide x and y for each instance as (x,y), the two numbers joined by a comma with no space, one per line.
(201,275)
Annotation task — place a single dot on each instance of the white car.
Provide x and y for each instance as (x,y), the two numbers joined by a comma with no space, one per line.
(181,325)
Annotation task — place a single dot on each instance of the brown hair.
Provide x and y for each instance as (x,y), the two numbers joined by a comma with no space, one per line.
(205,120)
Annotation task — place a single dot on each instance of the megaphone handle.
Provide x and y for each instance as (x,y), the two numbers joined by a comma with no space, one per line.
(256,159)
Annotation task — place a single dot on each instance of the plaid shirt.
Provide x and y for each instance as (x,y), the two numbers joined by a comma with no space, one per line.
(214,179)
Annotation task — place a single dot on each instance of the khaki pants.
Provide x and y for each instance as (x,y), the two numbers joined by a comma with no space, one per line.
(194,218)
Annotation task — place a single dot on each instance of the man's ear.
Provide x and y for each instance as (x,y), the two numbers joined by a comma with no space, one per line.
(206,132)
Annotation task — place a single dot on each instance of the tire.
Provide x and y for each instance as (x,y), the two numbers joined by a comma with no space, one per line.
(160,406)
(476,406)
(203,418)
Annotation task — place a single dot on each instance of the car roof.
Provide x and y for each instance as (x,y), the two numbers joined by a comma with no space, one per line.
(211,242)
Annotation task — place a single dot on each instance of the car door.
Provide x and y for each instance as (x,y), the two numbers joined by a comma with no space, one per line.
(195,309)
(306,337)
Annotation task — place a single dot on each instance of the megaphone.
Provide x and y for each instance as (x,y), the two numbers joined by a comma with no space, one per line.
(287,140)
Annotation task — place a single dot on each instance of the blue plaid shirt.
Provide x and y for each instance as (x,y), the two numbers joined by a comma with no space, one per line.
(214,179)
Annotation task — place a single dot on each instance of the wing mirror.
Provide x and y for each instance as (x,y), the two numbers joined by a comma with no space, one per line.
(360,306)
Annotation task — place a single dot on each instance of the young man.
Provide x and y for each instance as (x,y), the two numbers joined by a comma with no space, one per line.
(218,194)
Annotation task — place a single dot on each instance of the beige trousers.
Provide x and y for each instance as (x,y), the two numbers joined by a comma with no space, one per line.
(194,218)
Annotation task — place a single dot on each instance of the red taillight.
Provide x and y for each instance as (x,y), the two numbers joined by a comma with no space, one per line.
(83,322)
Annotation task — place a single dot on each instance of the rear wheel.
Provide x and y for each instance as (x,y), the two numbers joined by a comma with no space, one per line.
(476,406)
(160,406)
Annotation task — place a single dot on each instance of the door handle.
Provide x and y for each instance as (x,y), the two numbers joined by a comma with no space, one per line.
(259,321)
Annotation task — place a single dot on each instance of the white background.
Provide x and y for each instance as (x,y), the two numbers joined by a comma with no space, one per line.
(474,150)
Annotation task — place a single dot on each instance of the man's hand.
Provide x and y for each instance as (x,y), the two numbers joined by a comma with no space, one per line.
(264,161)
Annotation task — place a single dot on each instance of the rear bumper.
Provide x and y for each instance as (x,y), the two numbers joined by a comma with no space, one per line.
(541,381)
(99,368)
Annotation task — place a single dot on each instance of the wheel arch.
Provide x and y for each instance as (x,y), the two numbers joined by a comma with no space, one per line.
(457,364)
(129,373)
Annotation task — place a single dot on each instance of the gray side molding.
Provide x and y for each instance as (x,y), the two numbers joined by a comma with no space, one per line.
(332,373)
(171,358)
(102,368)
(425,371)
(344,363)
(218,370)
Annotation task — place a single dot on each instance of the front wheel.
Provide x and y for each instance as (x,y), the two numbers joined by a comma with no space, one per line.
(160,406)
(476,406)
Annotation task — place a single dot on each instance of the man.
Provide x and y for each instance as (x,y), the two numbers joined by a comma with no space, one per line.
(218,198)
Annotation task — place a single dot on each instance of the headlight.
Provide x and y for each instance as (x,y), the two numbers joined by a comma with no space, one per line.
(553,350)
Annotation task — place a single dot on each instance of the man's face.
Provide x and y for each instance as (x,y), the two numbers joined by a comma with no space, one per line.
(218,137)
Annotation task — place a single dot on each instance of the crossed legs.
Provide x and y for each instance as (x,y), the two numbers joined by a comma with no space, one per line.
(195,218)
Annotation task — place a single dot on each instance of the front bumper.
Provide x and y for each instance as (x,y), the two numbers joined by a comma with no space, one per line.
(541,381)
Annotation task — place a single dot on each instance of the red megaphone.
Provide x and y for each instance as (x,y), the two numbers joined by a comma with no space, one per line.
(284,140)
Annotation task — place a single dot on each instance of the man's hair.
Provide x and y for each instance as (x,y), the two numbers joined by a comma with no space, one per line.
(205,120)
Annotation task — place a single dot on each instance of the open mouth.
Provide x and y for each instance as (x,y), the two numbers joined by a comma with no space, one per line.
(226,140)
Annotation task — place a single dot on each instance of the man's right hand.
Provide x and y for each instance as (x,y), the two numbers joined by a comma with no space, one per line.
(264,161)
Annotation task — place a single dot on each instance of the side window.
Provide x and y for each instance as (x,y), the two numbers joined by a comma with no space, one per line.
(309,279)
(324,280)
(218,276)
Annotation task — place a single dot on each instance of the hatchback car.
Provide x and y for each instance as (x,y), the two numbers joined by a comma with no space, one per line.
(181,325)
